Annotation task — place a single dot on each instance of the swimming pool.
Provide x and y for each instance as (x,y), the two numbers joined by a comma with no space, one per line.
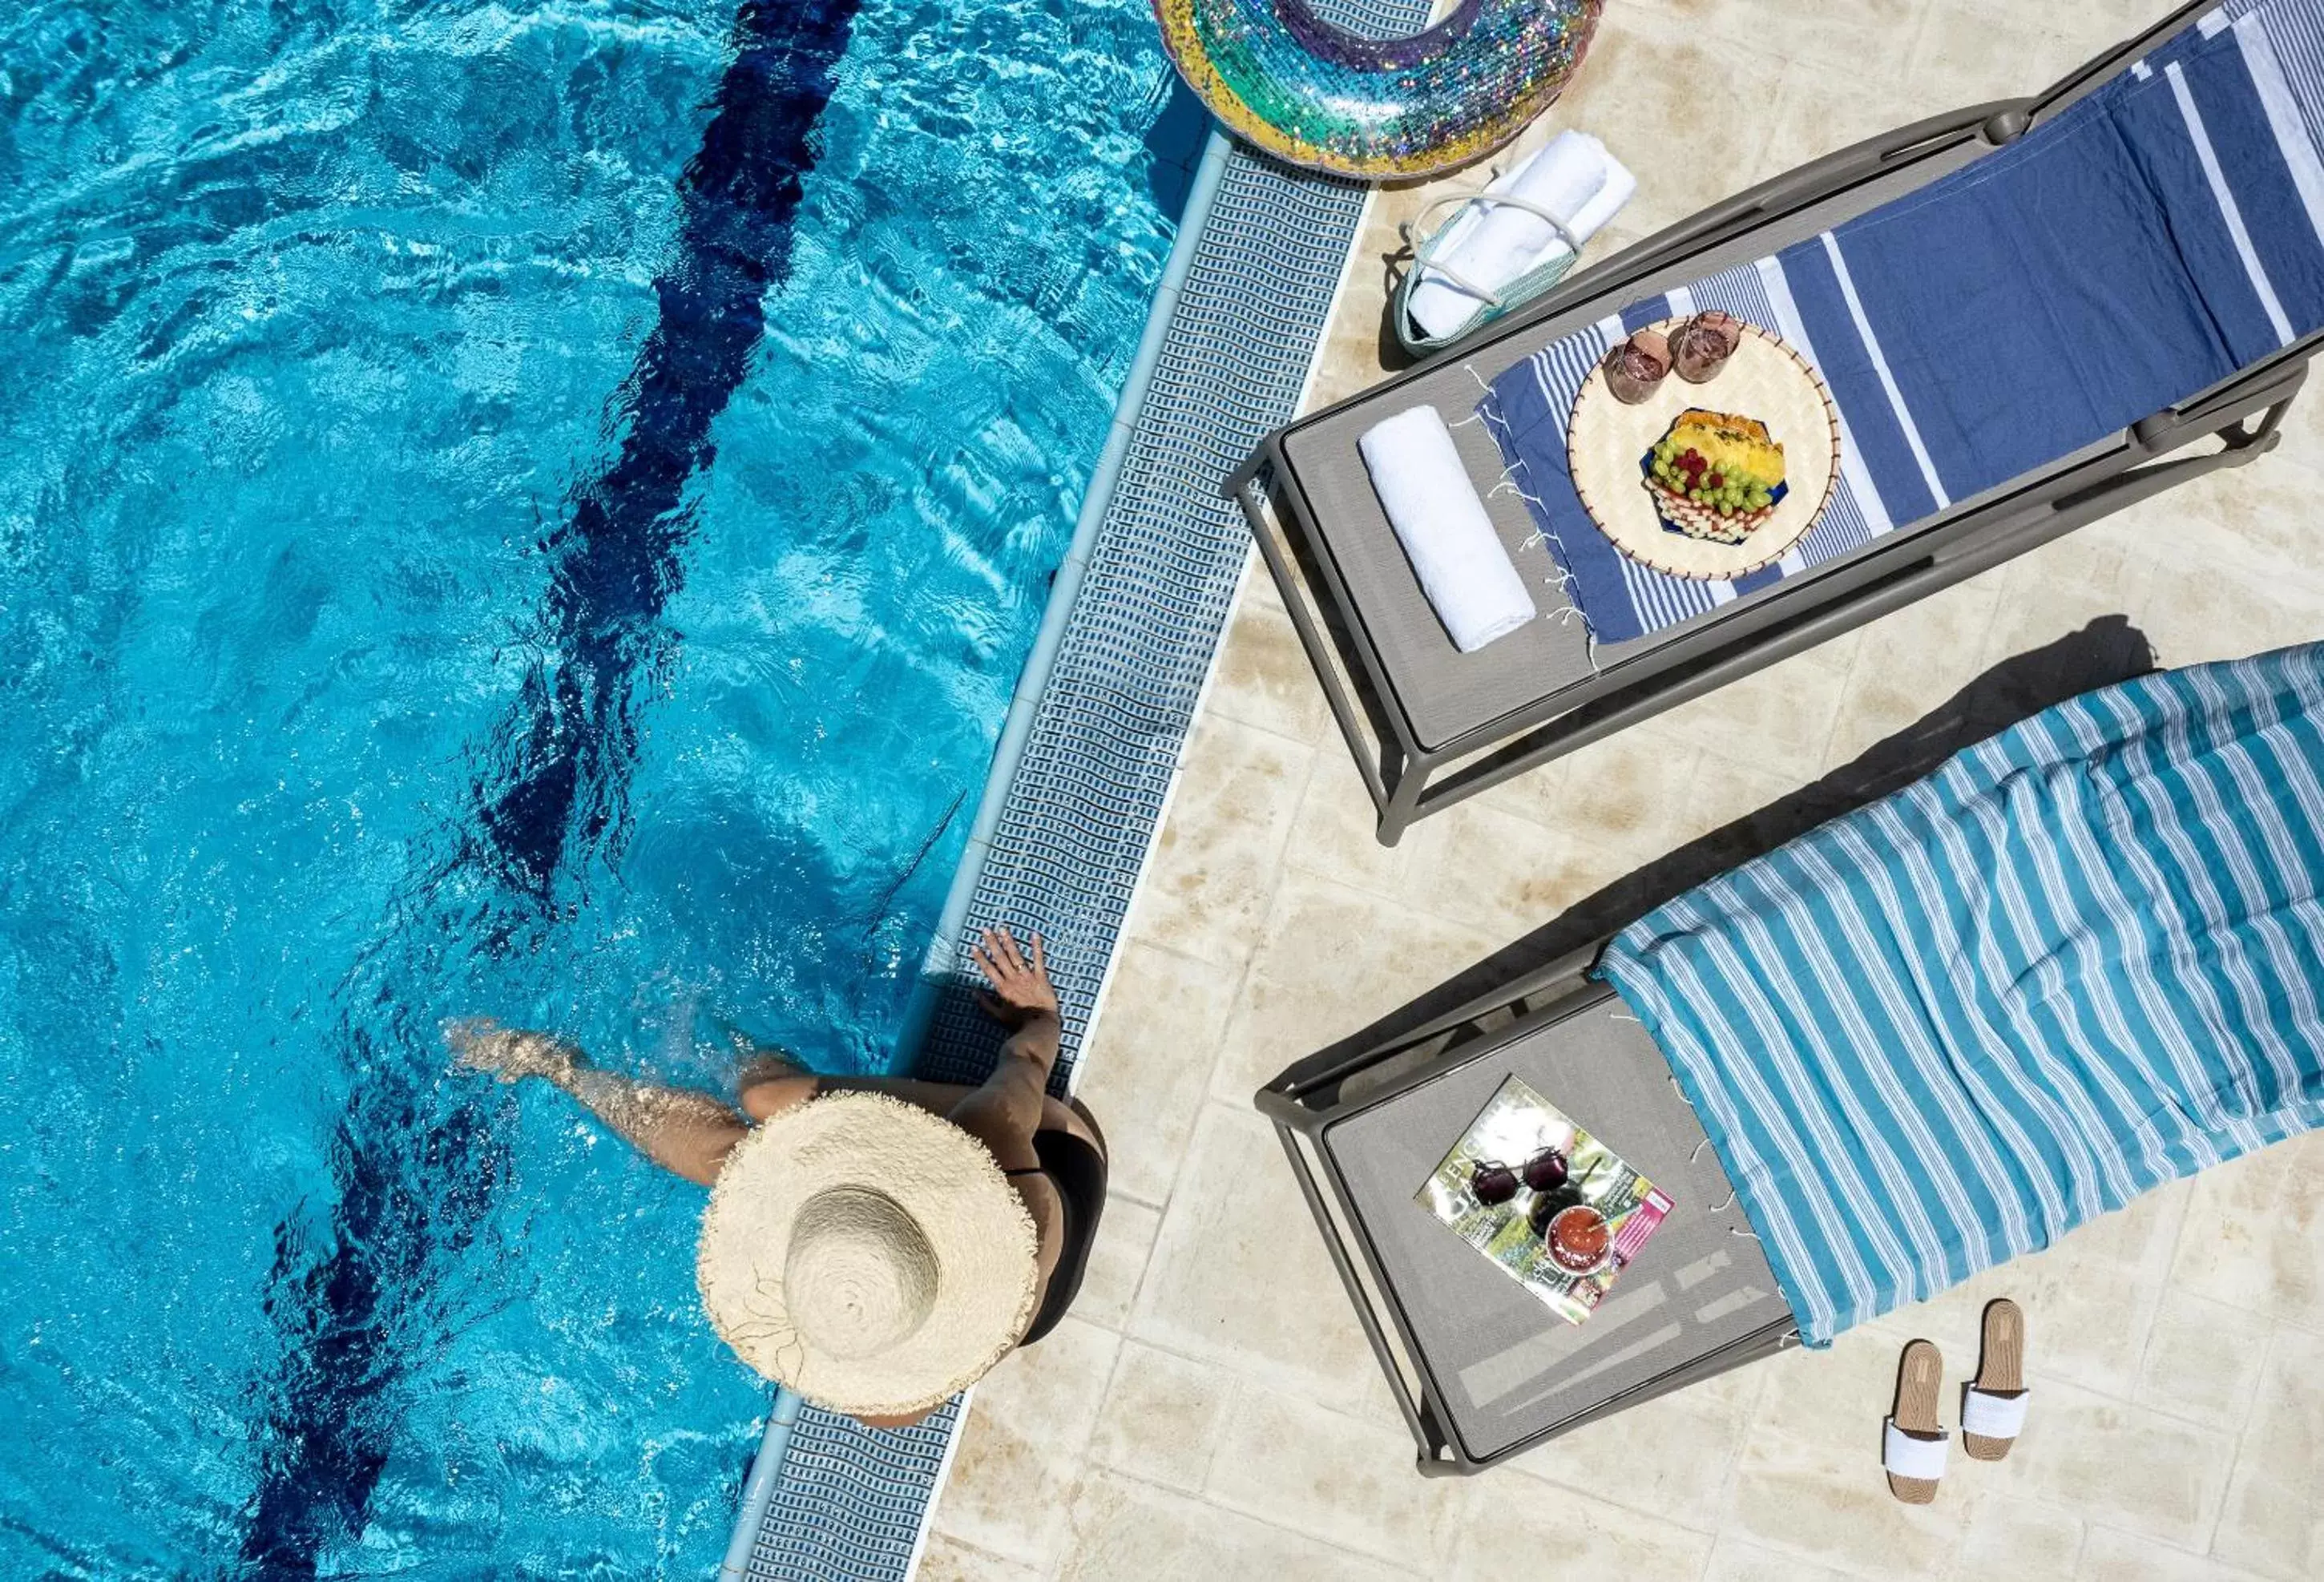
(532,509)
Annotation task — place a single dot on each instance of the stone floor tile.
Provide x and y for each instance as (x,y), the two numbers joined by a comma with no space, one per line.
(2238,608)
(2203,1360)
(1117,1262)
(1347,1480)
(1812,113)
(1208,883)
(1264,679)
(2256,1234)
(1824,1498)
(1334,834)
(1240,1277)
(1863,41)
(1538,794)
(947,1559)
(1162,1417)
(1148,1063)
(2061,588)
(2004,53)
(1124,1530)
(2273,1523)
(1733,1559)
(2251,518)
(1833,1394)
(1498,873)
(1022,1449)
(1783,714)
(1332,959)
(1668,1457)
(1911,663)
(1727,788)
(1627,795)
(2108,1556)
(2120,1465)
(1516,1530)
(2008,1536)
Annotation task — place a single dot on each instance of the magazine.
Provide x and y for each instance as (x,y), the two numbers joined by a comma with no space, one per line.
(1543,1199)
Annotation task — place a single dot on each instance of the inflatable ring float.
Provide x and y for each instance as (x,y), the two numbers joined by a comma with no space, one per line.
(1316,94)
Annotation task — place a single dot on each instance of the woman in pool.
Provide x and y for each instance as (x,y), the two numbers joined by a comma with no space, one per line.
(875,1244)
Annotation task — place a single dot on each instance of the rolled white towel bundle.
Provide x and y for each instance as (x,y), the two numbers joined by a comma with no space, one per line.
(1491,244)
(1441,525)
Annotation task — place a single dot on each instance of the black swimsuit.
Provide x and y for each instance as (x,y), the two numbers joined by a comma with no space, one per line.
(1077,1170)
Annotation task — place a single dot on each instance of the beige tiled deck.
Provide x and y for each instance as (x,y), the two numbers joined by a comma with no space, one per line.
(1211,1411)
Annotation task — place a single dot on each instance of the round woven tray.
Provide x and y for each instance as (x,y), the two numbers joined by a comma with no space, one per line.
(1606,442)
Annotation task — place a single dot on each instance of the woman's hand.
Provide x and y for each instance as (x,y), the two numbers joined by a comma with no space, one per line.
(508,1053)
(1020,991)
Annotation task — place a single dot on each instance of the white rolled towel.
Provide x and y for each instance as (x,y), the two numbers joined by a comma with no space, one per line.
(1441,523)
(1490,245)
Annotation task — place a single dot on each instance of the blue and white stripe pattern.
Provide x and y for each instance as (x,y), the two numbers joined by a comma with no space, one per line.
(2081,959)
(2131,252)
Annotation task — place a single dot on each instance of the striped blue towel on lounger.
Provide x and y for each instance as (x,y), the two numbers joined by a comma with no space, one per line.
(2137,248)
(2081,959)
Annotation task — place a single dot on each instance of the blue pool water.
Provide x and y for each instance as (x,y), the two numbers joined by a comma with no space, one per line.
(530,509)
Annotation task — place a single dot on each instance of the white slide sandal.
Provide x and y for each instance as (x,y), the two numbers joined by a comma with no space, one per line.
(1914,1445)
(1993,1405)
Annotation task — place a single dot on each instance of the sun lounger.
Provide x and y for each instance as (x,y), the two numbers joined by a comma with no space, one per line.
(1482,1369)
(2028,313)
(2078,960)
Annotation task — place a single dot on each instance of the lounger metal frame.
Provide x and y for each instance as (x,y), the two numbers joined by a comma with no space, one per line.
(1409,778)
(1316,1094)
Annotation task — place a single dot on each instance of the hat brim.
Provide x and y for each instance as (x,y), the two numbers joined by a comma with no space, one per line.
(987,1249)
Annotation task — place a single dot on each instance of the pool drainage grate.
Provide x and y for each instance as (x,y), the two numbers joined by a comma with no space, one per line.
(1084,774)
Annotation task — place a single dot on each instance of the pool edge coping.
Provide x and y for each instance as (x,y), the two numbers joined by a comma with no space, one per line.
(1218,653)
(1007,756)
(996,788)
(1064,592)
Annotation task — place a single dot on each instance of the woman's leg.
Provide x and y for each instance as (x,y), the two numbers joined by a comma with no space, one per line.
(680,1130)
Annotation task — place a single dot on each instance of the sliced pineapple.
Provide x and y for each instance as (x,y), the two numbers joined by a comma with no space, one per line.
(1733,445)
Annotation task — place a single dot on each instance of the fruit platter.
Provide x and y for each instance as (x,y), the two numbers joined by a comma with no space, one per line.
(1716,475)
(1704,447)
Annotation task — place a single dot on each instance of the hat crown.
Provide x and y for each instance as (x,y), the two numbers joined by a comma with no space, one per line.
(861,1276)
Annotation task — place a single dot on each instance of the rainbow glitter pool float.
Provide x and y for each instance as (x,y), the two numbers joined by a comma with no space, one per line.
(1280,77)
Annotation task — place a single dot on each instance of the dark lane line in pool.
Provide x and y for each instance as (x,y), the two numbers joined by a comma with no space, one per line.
(414,1181)
(618,552)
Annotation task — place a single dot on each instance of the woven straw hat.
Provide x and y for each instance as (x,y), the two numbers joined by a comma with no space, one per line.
(868,1255)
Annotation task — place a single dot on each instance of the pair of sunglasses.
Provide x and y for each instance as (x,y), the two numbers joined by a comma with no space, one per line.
(1494,1183)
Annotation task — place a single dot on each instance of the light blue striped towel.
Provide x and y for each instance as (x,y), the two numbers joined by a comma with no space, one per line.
(2079,961)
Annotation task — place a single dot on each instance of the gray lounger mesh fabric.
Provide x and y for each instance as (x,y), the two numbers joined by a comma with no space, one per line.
(1504,1367)
(1445,692)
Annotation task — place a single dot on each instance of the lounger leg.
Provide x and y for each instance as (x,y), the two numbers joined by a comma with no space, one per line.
(1379,768)
(1242,476)
(1403,804)
(1417,1416)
